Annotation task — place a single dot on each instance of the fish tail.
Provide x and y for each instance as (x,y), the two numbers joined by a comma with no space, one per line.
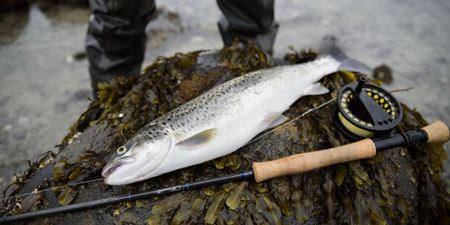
(329,48)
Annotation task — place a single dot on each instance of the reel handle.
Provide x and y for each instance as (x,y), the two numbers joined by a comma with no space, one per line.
(437,132)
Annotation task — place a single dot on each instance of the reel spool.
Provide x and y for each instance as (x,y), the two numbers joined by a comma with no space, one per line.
(367,110)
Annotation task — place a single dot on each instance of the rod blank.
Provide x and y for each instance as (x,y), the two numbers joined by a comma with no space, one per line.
(245,175)
(437,132)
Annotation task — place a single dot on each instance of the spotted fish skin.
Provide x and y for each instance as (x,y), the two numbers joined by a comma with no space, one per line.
(229,99)
(217,122)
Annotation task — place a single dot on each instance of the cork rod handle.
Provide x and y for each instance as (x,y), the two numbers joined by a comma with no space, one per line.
(312,160)
(437,132)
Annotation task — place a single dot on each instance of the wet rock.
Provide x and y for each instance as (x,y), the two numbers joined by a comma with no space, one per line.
(399,186)
(383,73)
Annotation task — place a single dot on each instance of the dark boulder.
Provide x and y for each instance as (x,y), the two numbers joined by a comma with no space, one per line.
(398,186)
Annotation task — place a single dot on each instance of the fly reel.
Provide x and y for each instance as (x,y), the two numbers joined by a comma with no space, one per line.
(367,110)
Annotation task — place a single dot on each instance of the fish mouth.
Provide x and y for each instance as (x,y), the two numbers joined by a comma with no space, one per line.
(112,166)
(108,169)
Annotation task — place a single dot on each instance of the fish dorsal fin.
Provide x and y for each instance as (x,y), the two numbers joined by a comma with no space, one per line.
(275,119)
(199,138)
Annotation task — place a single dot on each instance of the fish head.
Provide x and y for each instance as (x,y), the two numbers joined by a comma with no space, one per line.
(137,159)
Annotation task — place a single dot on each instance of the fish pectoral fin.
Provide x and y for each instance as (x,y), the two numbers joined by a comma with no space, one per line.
(200,138)
(315,89)
(275,119)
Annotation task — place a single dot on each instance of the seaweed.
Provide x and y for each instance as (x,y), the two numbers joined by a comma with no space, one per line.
(399,186)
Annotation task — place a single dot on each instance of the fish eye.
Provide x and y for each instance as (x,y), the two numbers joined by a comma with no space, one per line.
(121,150)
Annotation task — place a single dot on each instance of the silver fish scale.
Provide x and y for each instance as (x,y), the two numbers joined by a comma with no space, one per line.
(246,99)
(208,110)
(198,114)
(149,133)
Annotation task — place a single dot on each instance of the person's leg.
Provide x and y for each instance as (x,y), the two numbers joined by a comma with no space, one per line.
(115,40)
(248,20)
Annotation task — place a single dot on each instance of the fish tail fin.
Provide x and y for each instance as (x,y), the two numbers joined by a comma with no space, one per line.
(329,48)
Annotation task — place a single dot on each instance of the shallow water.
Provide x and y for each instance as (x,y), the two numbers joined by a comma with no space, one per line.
(42,93)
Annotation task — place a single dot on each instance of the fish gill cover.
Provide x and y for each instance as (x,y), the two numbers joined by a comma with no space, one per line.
(400,186)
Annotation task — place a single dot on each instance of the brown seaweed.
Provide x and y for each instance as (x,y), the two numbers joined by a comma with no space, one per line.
(399,186)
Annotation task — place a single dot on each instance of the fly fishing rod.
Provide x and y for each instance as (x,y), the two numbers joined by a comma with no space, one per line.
(437,132)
